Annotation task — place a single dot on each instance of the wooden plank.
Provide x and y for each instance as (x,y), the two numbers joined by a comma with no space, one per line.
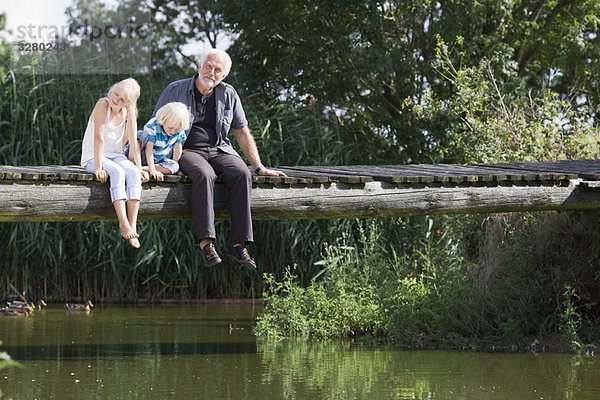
(12,175)
(338,174)
(356,174)
(85,201)
(590,184)
(75,173)
(393,174)
(403,174)
(587,169)
(442,173)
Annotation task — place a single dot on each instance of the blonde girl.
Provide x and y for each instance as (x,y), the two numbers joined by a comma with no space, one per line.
(111,125)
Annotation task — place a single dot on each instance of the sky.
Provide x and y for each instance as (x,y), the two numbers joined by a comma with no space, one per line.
(34,12)
(41,21)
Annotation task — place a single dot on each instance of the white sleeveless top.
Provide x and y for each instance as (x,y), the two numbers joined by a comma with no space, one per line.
(112,138)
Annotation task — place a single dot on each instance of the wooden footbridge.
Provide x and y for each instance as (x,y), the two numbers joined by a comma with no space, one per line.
(67,193)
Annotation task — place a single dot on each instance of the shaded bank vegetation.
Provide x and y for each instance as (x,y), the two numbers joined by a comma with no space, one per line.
(349,82)
(525,277)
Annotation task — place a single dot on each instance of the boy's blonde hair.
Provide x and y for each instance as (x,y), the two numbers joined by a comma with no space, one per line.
(174,114)
(130,91)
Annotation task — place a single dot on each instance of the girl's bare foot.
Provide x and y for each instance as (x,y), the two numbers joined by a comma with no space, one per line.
(128,232)
(134,242)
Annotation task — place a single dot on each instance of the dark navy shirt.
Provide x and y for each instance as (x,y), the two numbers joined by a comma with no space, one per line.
(202,132)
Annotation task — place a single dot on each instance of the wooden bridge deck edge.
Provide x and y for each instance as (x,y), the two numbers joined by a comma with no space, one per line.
(67,193)
(415,173)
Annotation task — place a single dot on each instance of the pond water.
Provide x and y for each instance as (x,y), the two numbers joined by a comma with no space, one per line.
(211,352)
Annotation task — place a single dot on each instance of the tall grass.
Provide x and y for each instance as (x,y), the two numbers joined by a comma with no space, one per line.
(43,120)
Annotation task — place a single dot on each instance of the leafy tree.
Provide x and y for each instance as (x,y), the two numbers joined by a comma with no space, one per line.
(179,23)
(499,120)
(367,69)
(370,63)
(174,32)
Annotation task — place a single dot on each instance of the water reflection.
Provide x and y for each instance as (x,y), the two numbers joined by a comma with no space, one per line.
(210,352)
(353,372)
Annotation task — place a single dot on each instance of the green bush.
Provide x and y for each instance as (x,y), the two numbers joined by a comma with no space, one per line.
(512,293)
(365,289)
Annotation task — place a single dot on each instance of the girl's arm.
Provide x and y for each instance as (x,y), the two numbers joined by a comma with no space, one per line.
(99,118)
(177,150)
(134,149)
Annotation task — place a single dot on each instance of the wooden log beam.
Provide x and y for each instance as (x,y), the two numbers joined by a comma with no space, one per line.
(56,200)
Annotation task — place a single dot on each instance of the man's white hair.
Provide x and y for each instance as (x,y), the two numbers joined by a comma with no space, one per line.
(220,54)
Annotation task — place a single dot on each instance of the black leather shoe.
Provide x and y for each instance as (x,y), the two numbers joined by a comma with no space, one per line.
(211,257)
(240,255)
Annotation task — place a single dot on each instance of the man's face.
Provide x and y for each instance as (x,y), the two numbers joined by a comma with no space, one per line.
(211,72)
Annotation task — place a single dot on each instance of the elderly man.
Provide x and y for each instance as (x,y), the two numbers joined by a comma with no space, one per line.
(215,108)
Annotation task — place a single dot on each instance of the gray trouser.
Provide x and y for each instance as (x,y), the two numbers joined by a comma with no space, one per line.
(203,166)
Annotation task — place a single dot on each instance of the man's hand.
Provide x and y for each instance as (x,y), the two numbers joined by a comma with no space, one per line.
(269,172)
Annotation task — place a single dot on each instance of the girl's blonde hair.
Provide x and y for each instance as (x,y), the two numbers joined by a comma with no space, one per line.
(174,114)
(130,91)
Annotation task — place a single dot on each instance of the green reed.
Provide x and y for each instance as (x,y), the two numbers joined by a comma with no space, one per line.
(43,120)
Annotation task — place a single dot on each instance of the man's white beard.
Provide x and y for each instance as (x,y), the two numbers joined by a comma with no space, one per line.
(209,83)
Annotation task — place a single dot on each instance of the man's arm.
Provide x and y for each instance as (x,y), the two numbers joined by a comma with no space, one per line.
(248,145)
(164,98)
(175,91)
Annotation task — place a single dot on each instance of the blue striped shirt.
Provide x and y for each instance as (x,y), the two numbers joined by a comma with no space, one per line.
(163,143)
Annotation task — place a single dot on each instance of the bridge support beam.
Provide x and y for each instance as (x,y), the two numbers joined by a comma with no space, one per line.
(23,200)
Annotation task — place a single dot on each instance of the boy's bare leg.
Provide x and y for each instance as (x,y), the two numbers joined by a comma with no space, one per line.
(159,168)
(164,170)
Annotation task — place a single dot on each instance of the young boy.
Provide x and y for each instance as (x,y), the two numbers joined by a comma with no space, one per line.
(162,140)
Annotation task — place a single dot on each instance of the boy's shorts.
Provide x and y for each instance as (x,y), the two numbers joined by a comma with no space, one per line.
(167,163)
